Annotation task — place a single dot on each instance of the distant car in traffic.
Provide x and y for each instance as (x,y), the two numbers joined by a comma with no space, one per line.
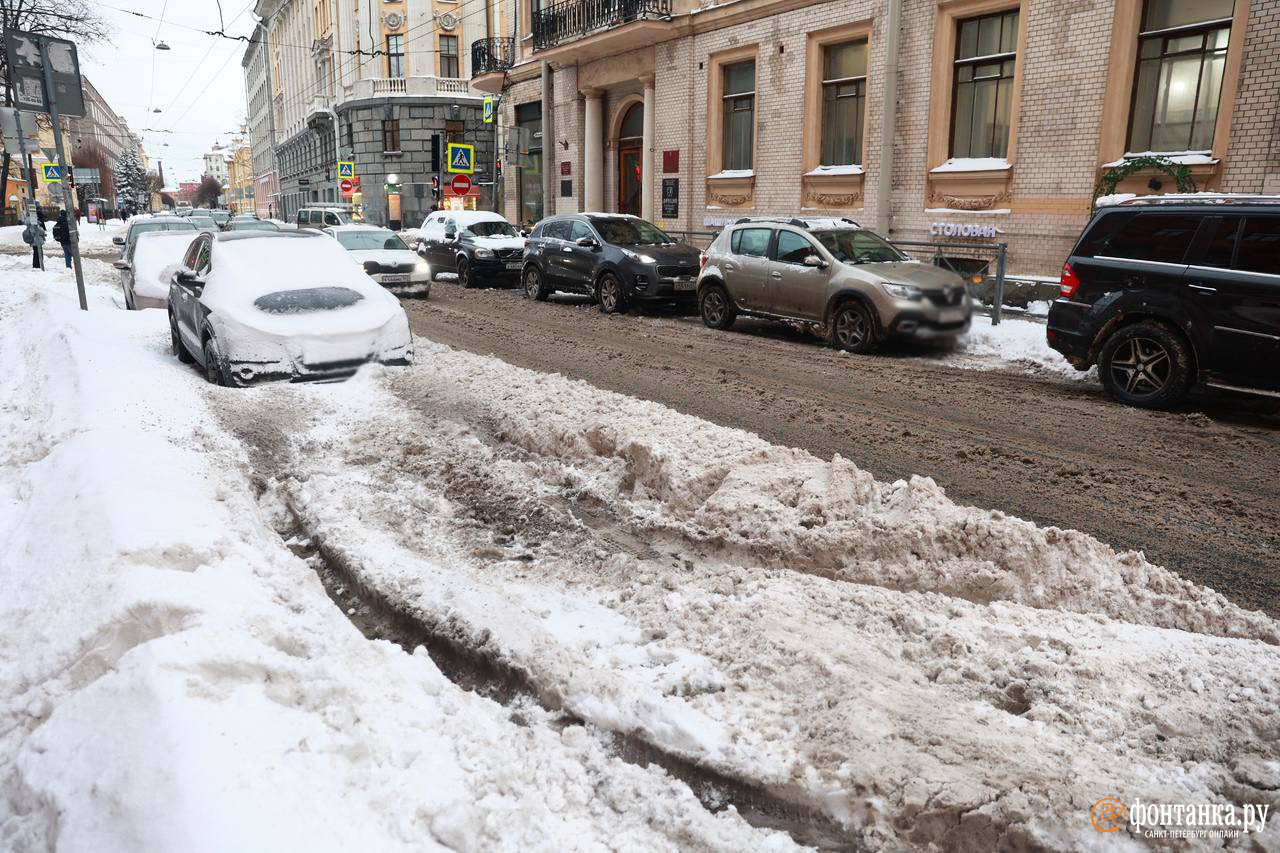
(617,259)
(324,216)
(220,215)
(830,274)
(386,258)
(250,223)
(254,306)
(204,223)
(1172,294)
(143,224)
(145,277)
(480,246)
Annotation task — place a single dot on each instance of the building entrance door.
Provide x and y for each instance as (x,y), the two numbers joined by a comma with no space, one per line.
(629,179)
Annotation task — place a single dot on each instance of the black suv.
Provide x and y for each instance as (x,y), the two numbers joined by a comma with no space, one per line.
(617,259)
(1173,294)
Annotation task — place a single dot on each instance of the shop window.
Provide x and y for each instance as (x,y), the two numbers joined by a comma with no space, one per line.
(395,56)
(982,93)
(738,117)
(844,94)
(449,56)
(1182,54)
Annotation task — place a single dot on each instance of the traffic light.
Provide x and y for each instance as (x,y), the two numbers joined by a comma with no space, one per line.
(497,168)
(435,186)
(435,152)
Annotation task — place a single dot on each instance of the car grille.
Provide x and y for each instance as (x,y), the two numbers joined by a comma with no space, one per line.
(373,267)
(674,271)
(946,298)
(509,254)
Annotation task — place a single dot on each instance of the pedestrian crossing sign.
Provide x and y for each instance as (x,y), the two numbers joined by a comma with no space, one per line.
(488,110)
(51,173)
(461,158)
(346,169)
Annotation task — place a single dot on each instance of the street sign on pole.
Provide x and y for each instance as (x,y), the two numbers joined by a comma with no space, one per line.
(489,109)
(19,130)
(86,175)
(51,173)
(346,169)
(460,185)
(347,186)
(460,157)
(53,98)
(45,72)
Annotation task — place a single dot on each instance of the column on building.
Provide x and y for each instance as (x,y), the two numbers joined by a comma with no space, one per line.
(593,154)
(646,153)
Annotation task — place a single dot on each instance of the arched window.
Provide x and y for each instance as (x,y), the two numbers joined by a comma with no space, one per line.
(632,123)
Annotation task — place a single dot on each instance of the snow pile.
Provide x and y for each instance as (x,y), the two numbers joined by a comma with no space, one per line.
(174,678)
(1015,342)
(92,237)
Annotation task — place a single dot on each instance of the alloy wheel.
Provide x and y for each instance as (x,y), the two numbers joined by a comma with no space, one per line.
(609,295)
(532,286)
(851,329)
(1141,366)
(713,308)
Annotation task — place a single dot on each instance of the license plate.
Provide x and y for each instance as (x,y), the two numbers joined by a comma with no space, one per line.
(396,278)
(685,284)
(951,316)
(513,265)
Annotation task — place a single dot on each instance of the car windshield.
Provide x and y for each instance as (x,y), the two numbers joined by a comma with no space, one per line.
(253,225)
(165,225)
(203,221)
(858,247)
(630,232)
(363,240)
(492,229)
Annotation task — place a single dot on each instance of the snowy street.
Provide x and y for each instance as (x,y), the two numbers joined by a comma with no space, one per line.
(467,605)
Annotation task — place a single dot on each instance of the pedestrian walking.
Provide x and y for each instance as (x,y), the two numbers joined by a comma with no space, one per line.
(62,233)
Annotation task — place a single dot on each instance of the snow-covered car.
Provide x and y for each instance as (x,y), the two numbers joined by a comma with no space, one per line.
(142,224)
(156,256)
(251,306)
(480,245)
(385,257)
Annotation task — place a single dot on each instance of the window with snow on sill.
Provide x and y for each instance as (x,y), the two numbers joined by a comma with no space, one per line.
(972,164)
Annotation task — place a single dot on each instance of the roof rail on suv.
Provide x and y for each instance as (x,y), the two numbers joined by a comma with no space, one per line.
(1201,198)
(819,222)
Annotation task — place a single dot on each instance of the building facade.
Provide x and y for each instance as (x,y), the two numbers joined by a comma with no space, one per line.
(257,88)
(217,164)
(920,118)
(383,84)
(240,182)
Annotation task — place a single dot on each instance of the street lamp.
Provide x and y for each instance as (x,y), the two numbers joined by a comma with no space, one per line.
(160,45)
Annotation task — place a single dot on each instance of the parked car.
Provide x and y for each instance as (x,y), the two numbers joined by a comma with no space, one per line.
(142,224)
(386,258)
(252,306)
(324,217)
(220,215)
(617,259)
(1174,294)
(482,247)
(156,256)
(847,282)
(204,223)
(250,223)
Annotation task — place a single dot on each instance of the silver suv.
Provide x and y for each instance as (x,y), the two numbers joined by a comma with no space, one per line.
(848,283)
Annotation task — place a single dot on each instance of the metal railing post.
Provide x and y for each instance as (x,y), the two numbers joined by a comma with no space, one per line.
(999,296)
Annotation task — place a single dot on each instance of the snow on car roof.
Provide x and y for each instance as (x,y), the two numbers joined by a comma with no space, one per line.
(356,226)
(467,217)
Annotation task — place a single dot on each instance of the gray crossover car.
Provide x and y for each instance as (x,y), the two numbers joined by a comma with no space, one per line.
(847,283)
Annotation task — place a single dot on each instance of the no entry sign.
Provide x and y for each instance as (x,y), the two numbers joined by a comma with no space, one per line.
(461,185)
(346,185)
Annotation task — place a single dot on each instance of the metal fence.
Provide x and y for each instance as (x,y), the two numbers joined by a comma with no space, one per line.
(976,263)
(697,239)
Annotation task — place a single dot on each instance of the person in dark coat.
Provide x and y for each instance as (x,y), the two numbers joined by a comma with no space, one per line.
(62,233)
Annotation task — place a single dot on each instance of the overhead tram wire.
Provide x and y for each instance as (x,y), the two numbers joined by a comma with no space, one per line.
(205,56)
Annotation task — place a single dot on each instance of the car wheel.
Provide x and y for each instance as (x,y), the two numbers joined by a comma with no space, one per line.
(128,300)
(533,288)
(213,363)
(1145,365)
(851,328)
(717,311)
(465,276)
(610,295)
(175,341)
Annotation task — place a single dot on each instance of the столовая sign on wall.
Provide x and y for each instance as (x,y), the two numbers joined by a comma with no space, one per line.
(963,229)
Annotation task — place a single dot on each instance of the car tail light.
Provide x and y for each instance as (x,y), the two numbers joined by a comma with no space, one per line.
(1069,283)
(702,260)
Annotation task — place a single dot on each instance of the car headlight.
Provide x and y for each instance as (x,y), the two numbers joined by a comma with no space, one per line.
(421,267)
(636,256)
(903,291)
(484,253)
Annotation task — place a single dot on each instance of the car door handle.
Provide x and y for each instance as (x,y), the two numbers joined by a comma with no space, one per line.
(1203,288)
(567,250)
(775,275)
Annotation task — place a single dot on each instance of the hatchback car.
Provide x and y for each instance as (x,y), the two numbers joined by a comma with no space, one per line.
(483,247)
(156,256)
(385,257)
(846,282)
(142,224)
(617,259)
(1172,294)
(252,306)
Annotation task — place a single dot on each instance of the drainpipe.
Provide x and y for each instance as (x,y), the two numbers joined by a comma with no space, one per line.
(337,153)
(549,155)
(888,117)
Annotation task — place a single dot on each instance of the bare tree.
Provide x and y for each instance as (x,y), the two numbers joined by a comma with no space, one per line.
(208,192)
(166,200)
(78,20)
(91,155)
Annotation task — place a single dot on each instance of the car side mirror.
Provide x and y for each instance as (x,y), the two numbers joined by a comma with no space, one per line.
(524,233)
(190,278)
(587,242)
(121,265)
(451,234)
(815,261)
(119,241)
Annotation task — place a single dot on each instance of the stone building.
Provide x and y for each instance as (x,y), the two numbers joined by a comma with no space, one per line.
(261,126)
(914,117)
(381,83)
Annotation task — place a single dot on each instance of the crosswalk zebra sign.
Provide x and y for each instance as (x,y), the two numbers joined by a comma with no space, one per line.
(461,158)
(488,110)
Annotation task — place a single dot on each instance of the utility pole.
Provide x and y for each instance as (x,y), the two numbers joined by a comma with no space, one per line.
(72,219)
(37,246)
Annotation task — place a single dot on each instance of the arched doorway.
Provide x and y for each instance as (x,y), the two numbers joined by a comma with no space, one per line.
(630,141)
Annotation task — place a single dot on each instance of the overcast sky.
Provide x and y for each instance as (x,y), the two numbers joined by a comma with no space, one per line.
(198,85)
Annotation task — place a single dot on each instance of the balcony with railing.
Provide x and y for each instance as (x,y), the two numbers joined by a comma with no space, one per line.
(612,25)
(490,59)
(413,87)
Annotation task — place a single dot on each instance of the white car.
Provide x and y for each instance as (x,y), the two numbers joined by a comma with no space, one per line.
(481,246)
(385,257)
(156,256)
(250,306)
